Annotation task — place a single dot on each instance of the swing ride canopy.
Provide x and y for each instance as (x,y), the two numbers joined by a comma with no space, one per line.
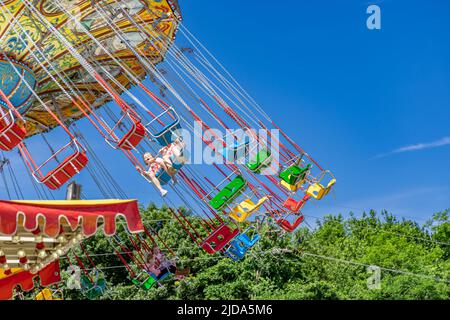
(62,60)
(163,13)
(25,280)
(36,234)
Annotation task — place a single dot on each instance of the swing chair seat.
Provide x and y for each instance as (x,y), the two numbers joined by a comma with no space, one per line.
(11,134)
(163,177)
(318,191)
(92,290)
(246,208)
(263,159)
(146,285)
(227,194)
(133,137)
(293,205)
(241,244)
(246,240)
(46,294)
(235,251)
(66,170)
(294,177)
(290,227)
(219,239)
(166,135)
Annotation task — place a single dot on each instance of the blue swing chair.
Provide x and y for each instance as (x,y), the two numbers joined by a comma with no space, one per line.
(240,245)
(167,135)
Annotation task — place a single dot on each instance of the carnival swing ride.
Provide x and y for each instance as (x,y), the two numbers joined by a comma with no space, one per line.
(116,64)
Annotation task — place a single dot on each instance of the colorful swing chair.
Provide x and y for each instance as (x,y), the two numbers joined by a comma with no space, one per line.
(134,135)
(230,192)
(294,177)
(317,190)
(219,238)
(48,294)
(295,206)
(95,288)
(262,160)
(288,226)
(66,170)
(144,281)
(246,208)
(167,135)
(243,242)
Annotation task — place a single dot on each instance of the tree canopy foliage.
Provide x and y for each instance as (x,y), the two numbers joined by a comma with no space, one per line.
(328,261)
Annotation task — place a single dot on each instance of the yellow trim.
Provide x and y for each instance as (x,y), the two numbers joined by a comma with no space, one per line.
(72,202)
(13,270)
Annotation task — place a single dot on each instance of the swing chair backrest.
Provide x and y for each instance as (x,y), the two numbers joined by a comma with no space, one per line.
(229,193)
(11,134)
(134,135)
(317,190)
(219,239)
(246,208)
(248,240)
(66,170)
(166,135)
(47,294)
(238,149)
(290,227)
(295,175)
(262,159)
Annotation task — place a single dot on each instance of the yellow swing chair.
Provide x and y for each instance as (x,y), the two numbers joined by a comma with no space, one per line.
(317,190)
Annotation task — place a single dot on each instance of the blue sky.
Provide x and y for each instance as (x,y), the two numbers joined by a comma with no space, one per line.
(348,94)
(373,106)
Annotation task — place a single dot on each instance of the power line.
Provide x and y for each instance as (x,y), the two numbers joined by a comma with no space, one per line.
(278,251)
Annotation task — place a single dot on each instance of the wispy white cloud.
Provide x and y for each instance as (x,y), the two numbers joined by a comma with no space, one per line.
(419,146)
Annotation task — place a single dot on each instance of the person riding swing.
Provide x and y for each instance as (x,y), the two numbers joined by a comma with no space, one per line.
(154,165)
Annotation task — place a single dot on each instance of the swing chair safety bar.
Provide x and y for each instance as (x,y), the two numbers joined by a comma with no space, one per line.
(73,142)
(9,125)
(9,122)
(174,124)
(128,114)
(217,187)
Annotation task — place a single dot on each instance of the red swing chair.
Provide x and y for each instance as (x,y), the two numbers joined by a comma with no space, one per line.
(288,226)
(295,206)
(134,135)
(11,133)
(219,238)
(66,170)
(130,139)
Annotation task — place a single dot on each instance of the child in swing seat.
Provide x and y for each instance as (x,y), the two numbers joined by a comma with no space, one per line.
(173,154)
(154,164)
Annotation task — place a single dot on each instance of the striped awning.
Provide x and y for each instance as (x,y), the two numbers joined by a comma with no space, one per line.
(34,234)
